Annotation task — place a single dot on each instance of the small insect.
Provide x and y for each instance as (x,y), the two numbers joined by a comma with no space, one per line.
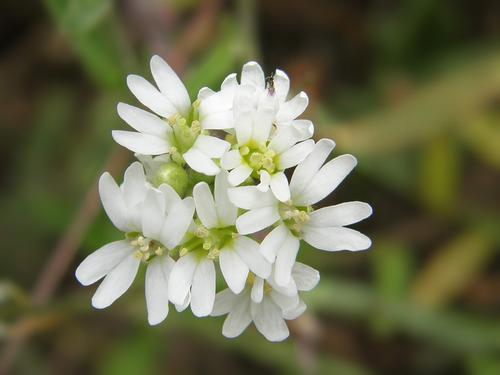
(270,83)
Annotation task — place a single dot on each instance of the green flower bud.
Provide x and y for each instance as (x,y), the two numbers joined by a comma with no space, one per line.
(174,175)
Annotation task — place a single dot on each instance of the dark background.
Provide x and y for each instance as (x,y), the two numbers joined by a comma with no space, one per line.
(411,88)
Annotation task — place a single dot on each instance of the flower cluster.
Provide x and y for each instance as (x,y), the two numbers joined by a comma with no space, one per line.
(209,184)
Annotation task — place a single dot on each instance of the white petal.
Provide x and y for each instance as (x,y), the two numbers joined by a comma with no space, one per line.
(141,143)
(257,290)
(335,238)
(257,219)
(279,186)
(285,137)
(102,261)
(248,251)
(273,242)
(304,127)
(219,102)
(177,223)
(306,170)
(249,197)
(143,121)
(181,278)
(200,162)
(281,85)
(226,211)
(239,318)
(339,215)
(230,160)
(267,318)
(213,147)
(113,203)
(262,124)
(305,277)
(239,174)
(134,185)
(153,214)
(296,312)
(184,304)
(170,196)
(170,85)
(243,124)
(253,75)
(205,205)
(295,154)
(219,120)
(234,270)
(205,93)
(326,180)
(265,181)
(203,288)
(286,303)
(116,282)
(285,259)
(148,95)
(157,288)
(288,290)
(224,302)
(293,108)
(230,82)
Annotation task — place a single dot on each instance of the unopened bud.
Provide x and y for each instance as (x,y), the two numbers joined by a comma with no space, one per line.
(174,175)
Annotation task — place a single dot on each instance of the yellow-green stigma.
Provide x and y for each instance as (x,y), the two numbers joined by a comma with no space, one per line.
(185,132)
(145,248)
(259,158)
(208,242)
(294,217)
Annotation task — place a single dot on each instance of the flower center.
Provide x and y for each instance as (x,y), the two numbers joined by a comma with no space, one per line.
(294,217)
(208,242)
(145,248)
(259,158)
(185,132)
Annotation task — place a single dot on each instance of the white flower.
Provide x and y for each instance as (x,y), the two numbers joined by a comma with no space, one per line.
(178,126)
(266,304)
(216,108)
(247,133)
(154,221)
(287,111)
(323,228)
(194,272)
(268,137)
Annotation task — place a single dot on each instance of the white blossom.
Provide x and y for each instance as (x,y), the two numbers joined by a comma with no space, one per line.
(175,127)
(265,304)
(214,238)
(154,221)
(323,228)
(211,174)
(269,139)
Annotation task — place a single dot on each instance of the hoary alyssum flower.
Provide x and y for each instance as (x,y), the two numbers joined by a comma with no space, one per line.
(265,303)
(215,238)
(211,174)
(268,137)
(323,228)
(154,222)
(177,127)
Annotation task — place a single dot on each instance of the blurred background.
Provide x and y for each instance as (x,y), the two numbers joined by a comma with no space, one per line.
(412,88)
